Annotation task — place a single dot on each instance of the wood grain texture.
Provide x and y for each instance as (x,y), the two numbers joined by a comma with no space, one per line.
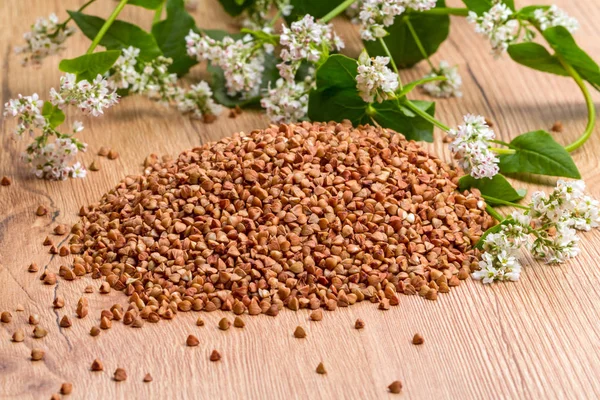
(538,338)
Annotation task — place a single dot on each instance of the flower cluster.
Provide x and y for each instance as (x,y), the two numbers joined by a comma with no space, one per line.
(241,60)
(498,25)
(375,81)
(198,102)
(151,78)
(90,97)
(554,16)
(375,15)
(54,160)
(471,147)
(28,112)
(551,219)
(286,102)
(305,40)
(449,87)
(46,38)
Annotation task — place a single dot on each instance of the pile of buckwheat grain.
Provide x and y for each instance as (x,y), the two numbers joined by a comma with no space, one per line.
(303,216)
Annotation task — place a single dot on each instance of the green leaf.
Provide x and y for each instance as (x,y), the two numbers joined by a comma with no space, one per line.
(316,8)
(481,6)
(497,187)
(563,43)
(89,66)
(53,114)
(170,35)
(149,4)
(235,7)
(536,56)
(411,85)
(538,153)
(431,30)
(120,35)
(336,98)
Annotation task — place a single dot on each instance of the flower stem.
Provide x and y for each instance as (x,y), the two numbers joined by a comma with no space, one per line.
(158,13)
(499,142)
(80,9)
(106,26)
(418,42)
(337,11)
(588,101)
(394,67)
(494,213)
(502,151)
(503,202)
(426,116)
(462,12)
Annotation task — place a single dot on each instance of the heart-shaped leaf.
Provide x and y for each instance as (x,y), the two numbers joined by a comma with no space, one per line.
(53,114)
(538,153)
(536,56)
(88,66)
(496,188)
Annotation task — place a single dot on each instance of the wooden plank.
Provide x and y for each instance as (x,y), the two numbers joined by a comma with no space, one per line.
(537,338)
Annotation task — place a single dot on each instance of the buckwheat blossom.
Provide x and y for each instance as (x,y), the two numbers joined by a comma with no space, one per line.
(375,81)
(497,24)
(305,40)
(241,60)
(450,87)
(46,38)
(258,12)
(54,160)
(376,15)
(471,147)
(28,112)
(90,97)
(551,219)
(198,102)
(286,102)
(554,16)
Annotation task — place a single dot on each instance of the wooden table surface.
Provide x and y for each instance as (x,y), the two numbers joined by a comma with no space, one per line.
(537,338)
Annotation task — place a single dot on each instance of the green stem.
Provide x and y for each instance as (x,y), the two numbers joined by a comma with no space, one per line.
(418,42)
(106,26)
(462,12)
(276,17)
(80,9)
(503,202)
(502,151)
(499,142)
(426,116)
(394,67)
(588,101)
(494,213)
(337,11)
(158,13)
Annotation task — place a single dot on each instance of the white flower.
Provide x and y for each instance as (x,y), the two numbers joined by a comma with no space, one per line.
(77,127)
(375,15)
(375,81)
(54,160)
(258,12)
(28,112)
(91,98)
(305,40)
(497,25)
(46,38)
(419,5)
(471,147)
(554,16)
(286,102)
(241,61)
(198,102)
(450,87)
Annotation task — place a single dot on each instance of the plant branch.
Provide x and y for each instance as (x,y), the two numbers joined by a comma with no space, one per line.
(494,213)
(504,202)
(337,11)
(106,26)
(80,9)
(502,151)
(426,116)
(588,101)
(461,12)
(418,42)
